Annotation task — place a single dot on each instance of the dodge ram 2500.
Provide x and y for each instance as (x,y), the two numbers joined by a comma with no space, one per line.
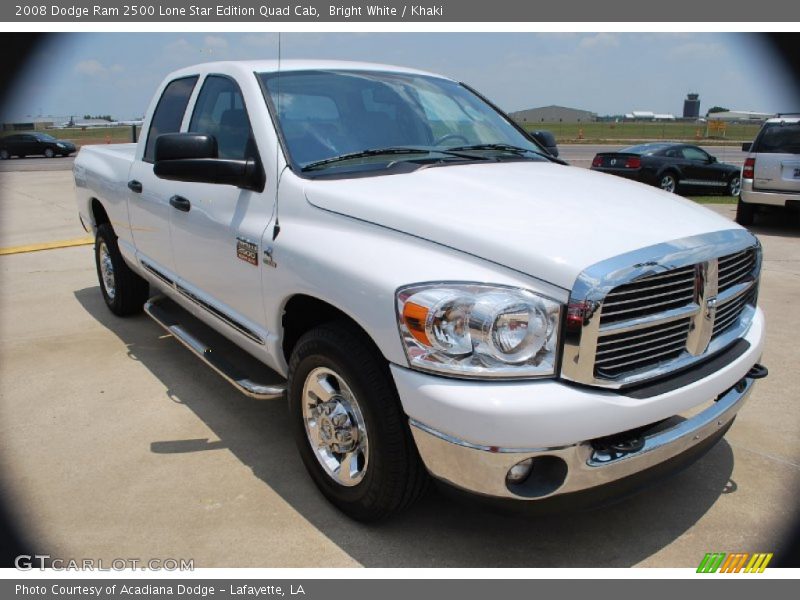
(432,292)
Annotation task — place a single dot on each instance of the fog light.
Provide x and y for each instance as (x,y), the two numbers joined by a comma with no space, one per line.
(519,472)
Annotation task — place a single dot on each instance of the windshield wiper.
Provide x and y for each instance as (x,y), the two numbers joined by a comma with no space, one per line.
(383,151)
(502,147)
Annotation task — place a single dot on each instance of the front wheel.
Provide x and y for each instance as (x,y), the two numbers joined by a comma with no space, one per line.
(123,290)
(734,186)
(668,182)
(349,426)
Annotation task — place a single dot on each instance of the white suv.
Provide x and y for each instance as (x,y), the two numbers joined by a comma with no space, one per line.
(771,171)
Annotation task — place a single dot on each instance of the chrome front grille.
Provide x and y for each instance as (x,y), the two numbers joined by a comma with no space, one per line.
(671,306)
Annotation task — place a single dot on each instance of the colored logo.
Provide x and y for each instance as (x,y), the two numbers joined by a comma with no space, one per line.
(737,562)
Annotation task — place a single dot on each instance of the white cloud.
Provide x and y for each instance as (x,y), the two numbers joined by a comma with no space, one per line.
(698,51)
(94,68)
(260,40)
(599,40)
(214,41)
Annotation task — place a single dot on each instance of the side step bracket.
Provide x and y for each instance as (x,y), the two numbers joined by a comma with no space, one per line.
(243,371)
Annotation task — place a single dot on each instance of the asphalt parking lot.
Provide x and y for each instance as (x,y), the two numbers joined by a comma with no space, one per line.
(116,442)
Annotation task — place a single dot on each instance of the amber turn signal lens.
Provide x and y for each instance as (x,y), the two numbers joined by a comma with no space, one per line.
(415,317)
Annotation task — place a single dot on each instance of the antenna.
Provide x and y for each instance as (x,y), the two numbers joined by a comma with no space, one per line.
(277,227)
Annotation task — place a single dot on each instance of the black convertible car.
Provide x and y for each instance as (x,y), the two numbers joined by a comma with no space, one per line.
(669,165)
(32,144)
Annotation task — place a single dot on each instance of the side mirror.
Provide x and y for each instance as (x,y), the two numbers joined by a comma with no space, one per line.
(545,139)
(193,157)
(747,146)
(712,159)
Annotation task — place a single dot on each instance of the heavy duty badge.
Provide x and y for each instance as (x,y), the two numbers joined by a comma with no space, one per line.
(247,251)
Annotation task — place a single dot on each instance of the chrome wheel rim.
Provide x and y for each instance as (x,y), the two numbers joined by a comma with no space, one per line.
(335,427)
(668,183)
(49,153)
(735,186)
(107,271)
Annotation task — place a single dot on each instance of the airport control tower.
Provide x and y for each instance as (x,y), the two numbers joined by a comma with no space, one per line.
(691,106)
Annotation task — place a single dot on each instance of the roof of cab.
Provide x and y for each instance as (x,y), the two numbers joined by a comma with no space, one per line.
(272,66)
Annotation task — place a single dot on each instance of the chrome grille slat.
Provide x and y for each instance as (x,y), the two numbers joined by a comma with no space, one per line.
(635,324)
(731,276)
(674,345)
(613,295)
(732,264)
(616,302)
(650,278)
(729,313)
(647,358)
(671,326)
(682,299)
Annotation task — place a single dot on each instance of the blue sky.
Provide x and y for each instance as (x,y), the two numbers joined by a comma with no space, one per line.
(608,73)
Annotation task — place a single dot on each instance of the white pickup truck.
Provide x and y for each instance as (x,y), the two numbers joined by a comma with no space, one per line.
(431,291)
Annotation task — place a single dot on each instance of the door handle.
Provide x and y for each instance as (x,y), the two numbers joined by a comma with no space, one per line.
(180,203)
(135,186)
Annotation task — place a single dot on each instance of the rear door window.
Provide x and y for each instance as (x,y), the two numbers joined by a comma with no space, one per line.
(220,112)
(169,112)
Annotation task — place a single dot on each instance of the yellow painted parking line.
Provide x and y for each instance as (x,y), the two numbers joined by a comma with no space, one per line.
(84,241)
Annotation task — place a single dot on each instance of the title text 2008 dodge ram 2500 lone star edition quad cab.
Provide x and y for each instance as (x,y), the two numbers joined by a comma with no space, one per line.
(433,292)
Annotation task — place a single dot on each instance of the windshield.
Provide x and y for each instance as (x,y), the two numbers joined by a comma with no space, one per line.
(343,119)
(43,137)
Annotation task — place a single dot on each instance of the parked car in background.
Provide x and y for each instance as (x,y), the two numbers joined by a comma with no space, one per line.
(771,170)
(34,144)
(670,165)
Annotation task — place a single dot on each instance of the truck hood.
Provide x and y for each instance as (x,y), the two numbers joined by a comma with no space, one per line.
(546,220)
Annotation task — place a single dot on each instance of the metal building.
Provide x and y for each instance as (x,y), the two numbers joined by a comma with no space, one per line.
(553,114)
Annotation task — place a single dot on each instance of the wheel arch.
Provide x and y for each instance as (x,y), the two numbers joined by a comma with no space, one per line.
(98,213)
(302,312)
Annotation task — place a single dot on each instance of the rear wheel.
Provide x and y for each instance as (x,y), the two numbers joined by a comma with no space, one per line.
(745,213)
(735,186)
(48,152)
(348,424)
(123,290)
(4,155)
(668,182)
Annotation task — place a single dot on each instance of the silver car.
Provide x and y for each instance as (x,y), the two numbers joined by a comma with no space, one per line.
(771,171)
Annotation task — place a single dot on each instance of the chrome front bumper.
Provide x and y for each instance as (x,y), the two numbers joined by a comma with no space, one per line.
(579,467)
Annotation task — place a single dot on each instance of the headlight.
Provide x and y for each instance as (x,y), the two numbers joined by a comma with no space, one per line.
(477,330)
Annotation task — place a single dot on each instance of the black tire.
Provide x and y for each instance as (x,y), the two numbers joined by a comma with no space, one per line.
(745,213)
(394,476)
(49,153)
(734,186)
(129,292)
(668,181)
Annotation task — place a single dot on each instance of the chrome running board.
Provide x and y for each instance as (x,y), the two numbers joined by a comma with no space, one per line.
(243,371)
